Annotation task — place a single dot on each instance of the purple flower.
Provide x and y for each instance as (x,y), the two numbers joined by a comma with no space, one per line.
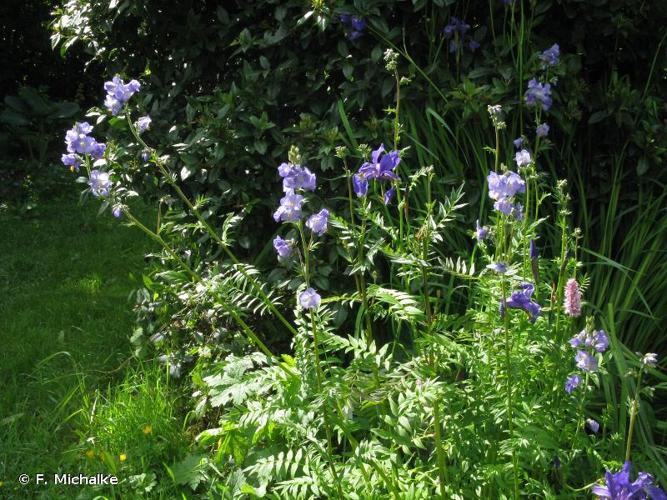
(572,301)
(389,195)
(310,299)
(71,160)
(296,177)
(143,123)
(578,339)
(77,139)
(650,359)
(550,56)
(290,208)
(145,155)
(504,205)
(117,212)
(317,223)
(586,362)
(600,341)
(538,93)
(360,184)
(572,382)
(542,130)
(521,300)
(283,247)
(533,250)
(98,150)
(618,486)
(505,186)
(518,142)
(522,158)
(118,93)
(480,231)
(593,425)
(99,183)
(356,25)
(498,267)
(382,165)
(455,26)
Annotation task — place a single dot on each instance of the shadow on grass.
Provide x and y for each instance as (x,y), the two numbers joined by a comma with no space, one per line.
(65,323)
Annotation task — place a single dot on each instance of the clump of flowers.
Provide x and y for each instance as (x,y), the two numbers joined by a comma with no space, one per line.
(310,299)
(284,248)
(355,25)
(550,56)
(503,188)
(521,299)
(381,167)
(618,486)
(456,32)
(538,94)
(542,130)
(572,301)
(118,93)
(588,342)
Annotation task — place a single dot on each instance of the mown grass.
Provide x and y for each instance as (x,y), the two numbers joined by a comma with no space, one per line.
(69,384)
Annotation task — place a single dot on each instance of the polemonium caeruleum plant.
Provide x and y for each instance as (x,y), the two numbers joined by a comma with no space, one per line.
(387,389)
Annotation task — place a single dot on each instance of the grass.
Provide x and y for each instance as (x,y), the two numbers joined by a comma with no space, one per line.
(66,366)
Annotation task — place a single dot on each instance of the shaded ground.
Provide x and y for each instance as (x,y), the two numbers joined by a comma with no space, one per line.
(65,321)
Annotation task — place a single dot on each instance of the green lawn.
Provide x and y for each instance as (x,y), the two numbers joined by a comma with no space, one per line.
(65,323)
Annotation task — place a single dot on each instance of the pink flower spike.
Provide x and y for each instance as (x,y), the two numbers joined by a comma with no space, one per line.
(572,303)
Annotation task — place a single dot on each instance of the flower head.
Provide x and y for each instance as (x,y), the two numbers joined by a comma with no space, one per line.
(382,165)
(99,183)
(71,160)
(550,56)
(498,267)
(317,223)
(290,208)
(593,425)
(522,158)
(389,195)
(533,250)
(572,301)
(310,299)
(572,382)
(518,142)
(143,123)
(118,93)
(360,185)
(480,231)
(297,177)
(521,299)
(538,93)
(650,359)
(586,362)
(356,25)
(618,486)
(283,247)
(599,341)
(542,130)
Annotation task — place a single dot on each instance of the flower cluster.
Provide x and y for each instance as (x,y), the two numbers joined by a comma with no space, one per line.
(79,142)
(550,56)
(355,25)
(587,344)
(522,300)
(538,94)
(503,188)
(618,486)
(572,300)
(118,93)
(457,34)
(542,130)
(295,177)
(381,167)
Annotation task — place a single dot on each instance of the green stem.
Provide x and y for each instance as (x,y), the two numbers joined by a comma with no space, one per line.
(196,277)
(213,233)
(634,410)
(508,368)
